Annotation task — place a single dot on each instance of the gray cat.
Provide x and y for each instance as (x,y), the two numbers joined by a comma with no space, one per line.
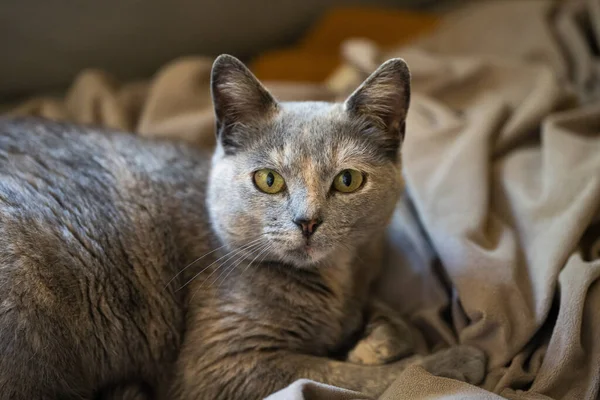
(136,269)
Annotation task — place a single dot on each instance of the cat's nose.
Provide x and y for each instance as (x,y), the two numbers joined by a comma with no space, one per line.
(308,226)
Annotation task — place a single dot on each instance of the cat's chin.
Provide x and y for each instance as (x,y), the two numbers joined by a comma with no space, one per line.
(305,257)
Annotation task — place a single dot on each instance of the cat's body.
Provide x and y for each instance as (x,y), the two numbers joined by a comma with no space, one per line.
(128,261)
(92,226)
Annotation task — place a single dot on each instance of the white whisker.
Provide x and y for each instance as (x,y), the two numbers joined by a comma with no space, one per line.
(261,260)
(260,251)
(231,253)
(245,248)
(192,263)
(237,262)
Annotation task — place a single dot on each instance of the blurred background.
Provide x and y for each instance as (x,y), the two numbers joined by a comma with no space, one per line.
(45,44)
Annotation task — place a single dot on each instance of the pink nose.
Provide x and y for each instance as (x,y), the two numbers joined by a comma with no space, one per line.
(308,226)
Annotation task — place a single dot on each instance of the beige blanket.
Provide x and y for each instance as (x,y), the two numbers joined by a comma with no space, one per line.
(497,243)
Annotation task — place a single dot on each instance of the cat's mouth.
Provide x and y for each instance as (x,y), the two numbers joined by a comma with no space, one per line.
(308,248)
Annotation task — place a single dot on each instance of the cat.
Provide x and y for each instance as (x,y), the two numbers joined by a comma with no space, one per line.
(131,267)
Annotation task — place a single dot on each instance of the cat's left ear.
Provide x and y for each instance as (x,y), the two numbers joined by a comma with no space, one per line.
(238,97)
(383,98)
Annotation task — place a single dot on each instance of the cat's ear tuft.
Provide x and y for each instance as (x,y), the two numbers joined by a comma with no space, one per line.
(384,97)
(237,95)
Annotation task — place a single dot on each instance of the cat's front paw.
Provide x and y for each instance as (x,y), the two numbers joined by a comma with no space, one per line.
(382,345)
(464,363)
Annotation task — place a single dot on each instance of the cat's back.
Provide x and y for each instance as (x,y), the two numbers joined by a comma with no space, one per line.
(83,155)
(84,183)
(92,225)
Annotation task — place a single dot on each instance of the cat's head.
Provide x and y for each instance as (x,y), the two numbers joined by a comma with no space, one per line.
(304,182)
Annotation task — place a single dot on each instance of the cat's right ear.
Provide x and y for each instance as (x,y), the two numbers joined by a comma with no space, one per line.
(384,99)
(238,98)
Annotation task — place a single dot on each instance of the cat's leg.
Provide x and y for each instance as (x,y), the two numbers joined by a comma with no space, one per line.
(36,358)
(254,375)
(42,357)
(66,337)
(387,337)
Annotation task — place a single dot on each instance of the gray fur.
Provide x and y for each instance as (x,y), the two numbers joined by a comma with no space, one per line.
(132,269)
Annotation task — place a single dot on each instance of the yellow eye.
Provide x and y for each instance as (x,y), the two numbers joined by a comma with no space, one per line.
(348,181)
(269,181)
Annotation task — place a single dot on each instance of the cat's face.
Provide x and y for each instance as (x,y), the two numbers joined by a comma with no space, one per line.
(303,182)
